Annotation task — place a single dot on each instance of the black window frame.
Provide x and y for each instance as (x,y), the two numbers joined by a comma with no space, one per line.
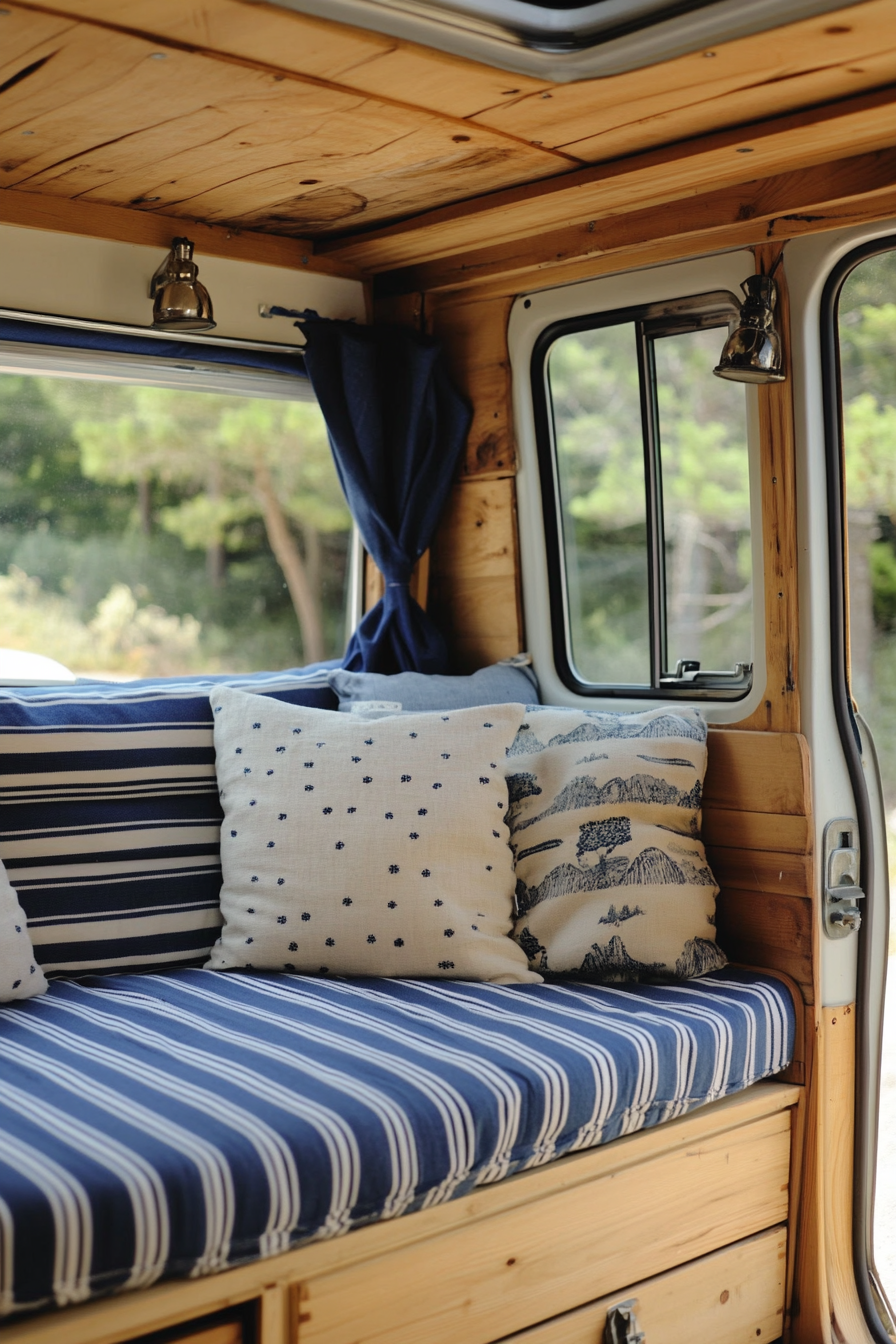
(714,309)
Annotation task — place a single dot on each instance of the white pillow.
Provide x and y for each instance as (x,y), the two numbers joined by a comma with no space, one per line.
(612,878)
(377,848)
(20,975)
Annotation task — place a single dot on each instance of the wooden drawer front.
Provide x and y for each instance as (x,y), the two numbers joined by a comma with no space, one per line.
(485,1281)
(735,1296)
(216,1334)
(209,1330)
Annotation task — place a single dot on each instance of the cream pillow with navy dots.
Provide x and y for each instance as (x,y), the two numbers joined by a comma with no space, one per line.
(365,848)
(20,975)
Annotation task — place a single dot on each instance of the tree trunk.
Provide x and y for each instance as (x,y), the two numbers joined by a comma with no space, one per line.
(215,564)
(311,538)
(862,531)
(215,556)
(144,504)
(687,580)
(289,558)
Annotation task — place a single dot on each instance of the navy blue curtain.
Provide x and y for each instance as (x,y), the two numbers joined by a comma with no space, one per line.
(398,429)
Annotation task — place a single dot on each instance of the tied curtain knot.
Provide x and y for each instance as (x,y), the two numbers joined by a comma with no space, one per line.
(397,428)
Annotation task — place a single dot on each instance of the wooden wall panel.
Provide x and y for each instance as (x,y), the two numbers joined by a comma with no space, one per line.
(781,707)
(758,772)
(474,574)
(771,931)
(757,824)
(475,340)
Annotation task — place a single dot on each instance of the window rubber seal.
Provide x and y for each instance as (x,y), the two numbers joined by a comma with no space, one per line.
(868,1044)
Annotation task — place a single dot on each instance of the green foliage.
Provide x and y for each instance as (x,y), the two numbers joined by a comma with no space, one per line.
(595,396)
(882,561)
(210,446)
(41,482)
(867,330)
(141,503)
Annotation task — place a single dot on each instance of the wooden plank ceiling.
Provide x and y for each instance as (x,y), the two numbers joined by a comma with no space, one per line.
(260,122)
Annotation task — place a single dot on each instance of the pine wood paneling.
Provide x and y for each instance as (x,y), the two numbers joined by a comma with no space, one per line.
(756,830)
(829,56)
(791,204)
(61,215)
(771,931)
(370,62)
(731,1296)
(781,706)
(275,1280)
(757,810)
(710,163)
(113,118)
(474,582)
(475,340)
(231,1333)
(757,870)
(489,1280)
(474,578)
(757,772)
(564,270)
(766,74)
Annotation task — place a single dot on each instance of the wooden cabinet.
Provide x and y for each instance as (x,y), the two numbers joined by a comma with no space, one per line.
(733,1296)
(677,1216)
(527,1263)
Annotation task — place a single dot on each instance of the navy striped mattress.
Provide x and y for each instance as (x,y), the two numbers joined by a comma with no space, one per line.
(180,1123)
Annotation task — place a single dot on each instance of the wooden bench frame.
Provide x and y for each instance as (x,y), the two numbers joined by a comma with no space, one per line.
(757,820)
(495,1269)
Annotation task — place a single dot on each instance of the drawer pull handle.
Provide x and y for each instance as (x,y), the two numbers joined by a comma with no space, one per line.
(622,1324)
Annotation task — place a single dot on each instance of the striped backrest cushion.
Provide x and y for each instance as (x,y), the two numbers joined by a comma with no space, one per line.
(110,819)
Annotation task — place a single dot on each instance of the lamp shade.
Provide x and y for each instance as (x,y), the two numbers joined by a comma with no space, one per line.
(752,352)
(180,301)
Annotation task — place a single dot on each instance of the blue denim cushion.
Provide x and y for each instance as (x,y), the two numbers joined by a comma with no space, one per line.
(501,684)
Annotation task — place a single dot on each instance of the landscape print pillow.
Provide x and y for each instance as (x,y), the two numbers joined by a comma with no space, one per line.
(612,878)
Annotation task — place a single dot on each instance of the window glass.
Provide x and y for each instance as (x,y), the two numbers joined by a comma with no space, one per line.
(595,395)
(867,331)
(653,505)
(155,531)
(706,503)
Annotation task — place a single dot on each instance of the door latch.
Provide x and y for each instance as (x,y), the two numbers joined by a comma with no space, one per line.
(622,1325)
(842,857)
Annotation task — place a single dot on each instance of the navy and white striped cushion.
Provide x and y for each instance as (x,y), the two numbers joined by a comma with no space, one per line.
(177,1124)
(109,815)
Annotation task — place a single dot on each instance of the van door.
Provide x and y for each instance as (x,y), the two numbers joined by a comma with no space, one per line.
(843,294)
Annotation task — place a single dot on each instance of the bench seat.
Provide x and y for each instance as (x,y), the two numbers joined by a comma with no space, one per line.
(176,1124)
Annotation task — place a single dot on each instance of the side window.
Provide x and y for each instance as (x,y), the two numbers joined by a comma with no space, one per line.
(163,530)
(645,475)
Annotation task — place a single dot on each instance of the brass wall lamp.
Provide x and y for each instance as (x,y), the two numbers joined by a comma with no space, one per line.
(752,352)
(180,301)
